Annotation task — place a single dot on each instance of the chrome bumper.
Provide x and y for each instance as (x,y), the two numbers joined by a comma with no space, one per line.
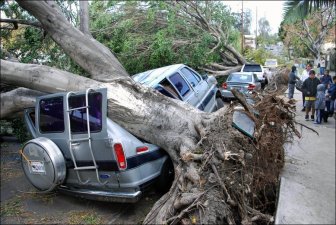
(123,197)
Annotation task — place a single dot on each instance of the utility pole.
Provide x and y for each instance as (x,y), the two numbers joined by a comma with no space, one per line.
(256,35)
(242,27)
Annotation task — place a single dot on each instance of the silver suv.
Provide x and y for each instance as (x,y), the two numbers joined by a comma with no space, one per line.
(181,82)
(79,150)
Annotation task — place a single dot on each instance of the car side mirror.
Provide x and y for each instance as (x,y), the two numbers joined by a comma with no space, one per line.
(205,76)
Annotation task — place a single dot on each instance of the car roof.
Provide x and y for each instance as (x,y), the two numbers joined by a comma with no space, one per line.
(252,64)
(153,77)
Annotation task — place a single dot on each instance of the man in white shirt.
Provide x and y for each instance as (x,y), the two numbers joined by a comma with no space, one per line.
(322,66)
(304,76)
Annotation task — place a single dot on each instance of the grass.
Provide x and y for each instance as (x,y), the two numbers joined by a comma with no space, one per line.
(13,207)
(47,198)
(83,217)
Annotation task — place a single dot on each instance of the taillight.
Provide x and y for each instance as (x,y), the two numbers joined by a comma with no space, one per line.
(224,85)
(141,149)
(251,87)
(119,153)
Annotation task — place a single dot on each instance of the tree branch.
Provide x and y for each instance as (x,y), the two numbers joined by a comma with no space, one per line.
(15,22)
(91,55)
(42,78)
(223,73)
(16,100)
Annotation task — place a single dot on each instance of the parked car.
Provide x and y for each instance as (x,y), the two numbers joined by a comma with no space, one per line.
(271,63)
(258,70)
(242,81)
(181,82)
(78,150)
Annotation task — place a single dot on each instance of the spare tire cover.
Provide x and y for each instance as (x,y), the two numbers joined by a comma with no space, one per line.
(43,164)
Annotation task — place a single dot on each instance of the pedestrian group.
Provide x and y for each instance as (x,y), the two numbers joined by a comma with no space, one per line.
(318,94)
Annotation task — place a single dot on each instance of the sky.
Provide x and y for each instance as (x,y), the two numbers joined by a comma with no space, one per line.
(271,10)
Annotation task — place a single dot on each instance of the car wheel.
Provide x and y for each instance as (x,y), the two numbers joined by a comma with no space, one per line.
(166,177)
(220,103)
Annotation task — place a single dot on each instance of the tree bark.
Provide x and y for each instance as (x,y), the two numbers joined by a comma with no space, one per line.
(84,17)
(15,101)
(217,73)
(15,22)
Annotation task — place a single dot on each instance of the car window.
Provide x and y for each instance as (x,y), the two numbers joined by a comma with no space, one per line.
(240,78)
(167,89)
(78,120)
(51,115)
(193,78)
(180,84)
(252,68)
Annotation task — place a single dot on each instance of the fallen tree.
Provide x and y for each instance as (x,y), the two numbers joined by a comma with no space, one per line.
(221,175)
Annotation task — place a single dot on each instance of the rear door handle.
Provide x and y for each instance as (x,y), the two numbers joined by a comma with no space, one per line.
(75,144)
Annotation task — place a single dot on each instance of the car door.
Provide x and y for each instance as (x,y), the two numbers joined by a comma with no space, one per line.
(53,122)
(186,93)
(199,85)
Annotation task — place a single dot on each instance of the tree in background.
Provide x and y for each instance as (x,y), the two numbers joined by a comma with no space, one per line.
(265,37)
(307,24)
(264,28)
(247,15)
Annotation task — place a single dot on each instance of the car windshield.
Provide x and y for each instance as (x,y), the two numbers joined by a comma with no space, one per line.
(252,68)
(242,78)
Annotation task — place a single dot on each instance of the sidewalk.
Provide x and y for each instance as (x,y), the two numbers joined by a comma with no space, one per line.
(307,189)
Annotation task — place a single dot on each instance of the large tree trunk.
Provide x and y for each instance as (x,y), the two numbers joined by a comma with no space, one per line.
(220,172)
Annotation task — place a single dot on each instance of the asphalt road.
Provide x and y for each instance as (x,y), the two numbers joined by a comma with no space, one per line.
(307,190)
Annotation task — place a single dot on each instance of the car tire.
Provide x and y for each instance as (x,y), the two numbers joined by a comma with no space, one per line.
(166,177)
(220,103)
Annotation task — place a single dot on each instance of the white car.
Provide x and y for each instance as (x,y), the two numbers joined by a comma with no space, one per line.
(258,70)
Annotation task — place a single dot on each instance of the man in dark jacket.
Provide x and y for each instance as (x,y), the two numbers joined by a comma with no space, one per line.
(332,97)
(291,82)
(309,88)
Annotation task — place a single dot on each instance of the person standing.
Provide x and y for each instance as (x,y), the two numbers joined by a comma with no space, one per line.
(332,96)
(309,88)
(327,81)
(320,103)
(322,66)
(304,76)
(291,82)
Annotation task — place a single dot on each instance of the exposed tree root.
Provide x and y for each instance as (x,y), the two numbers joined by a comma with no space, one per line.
(228,177)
